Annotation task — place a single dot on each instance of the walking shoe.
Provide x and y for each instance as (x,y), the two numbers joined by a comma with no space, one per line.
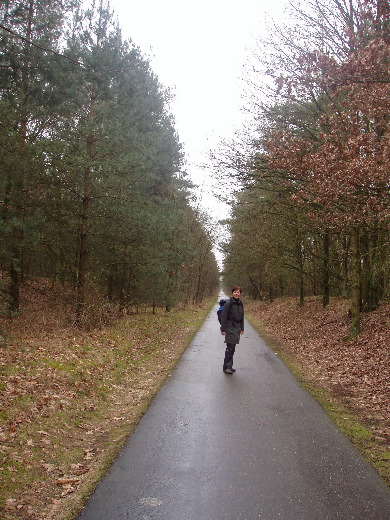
(233,369)
(228,371)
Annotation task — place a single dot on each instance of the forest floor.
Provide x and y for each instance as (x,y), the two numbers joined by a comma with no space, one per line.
(70,398)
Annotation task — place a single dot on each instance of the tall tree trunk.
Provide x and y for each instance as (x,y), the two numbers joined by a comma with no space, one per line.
(356,283)
(325,270)
(301,276)
(370,282)
(345,264)
(18,187)
(82,258)
(200,282)
(257,291)
(271,291)
(15,268)
(84,218)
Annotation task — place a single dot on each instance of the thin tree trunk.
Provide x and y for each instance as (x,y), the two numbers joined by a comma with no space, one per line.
(346,246)
(301,276)
(356,284)
(325,270)
(370,282)
(257,292)
(84,220)
(199,291)
(17,230)
(82,261)
(271,292)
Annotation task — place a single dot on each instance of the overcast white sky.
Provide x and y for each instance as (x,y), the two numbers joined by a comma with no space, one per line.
(198,49)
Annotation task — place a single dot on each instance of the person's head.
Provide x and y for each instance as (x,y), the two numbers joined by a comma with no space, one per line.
(236,291)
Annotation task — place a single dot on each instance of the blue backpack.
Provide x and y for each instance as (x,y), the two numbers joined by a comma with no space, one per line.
(219,311)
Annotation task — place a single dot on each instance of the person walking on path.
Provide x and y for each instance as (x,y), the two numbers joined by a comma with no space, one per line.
(232,327)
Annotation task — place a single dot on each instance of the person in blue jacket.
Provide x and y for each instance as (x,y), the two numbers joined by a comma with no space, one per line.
(232,327)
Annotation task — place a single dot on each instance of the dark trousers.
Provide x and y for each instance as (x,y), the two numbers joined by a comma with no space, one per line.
(229,353)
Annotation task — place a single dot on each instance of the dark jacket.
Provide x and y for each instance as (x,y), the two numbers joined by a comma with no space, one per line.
(232,320)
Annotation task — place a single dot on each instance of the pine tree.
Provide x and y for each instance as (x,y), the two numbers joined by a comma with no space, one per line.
(30,36)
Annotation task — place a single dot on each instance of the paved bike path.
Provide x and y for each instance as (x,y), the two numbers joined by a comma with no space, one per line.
(248,446)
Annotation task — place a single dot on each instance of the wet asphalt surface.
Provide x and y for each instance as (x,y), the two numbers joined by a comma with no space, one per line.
(248,446)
